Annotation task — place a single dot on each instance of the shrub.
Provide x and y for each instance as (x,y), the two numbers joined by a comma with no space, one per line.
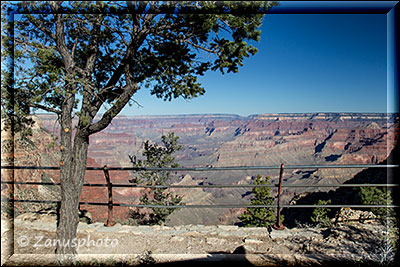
(259,217)
(320,215)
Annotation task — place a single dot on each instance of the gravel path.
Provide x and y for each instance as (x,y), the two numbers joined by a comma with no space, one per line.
(34,243)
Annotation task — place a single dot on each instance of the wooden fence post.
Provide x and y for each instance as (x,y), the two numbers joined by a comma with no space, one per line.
(278,225)
(110,219)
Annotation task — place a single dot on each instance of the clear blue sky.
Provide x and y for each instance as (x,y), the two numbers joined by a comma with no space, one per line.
(305,63)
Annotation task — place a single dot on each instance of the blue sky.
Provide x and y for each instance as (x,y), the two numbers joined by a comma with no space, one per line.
(305,63)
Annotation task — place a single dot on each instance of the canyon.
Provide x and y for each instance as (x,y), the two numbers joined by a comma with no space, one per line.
(217,140)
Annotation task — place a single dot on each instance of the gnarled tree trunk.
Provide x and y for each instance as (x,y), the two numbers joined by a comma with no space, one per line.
(72,173)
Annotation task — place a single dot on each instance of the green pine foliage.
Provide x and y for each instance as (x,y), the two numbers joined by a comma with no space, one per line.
(377,196)
(320,215)
(99,54)
(260,217)
(156,156)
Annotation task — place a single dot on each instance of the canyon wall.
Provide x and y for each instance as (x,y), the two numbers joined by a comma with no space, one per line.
(230,140)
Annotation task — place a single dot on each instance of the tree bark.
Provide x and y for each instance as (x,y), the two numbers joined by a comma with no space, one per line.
(72,173)
(72,177)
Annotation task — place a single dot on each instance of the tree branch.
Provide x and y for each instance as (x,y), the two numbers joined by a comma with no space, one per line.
(74,47)
(131,50)
(40,27)
(89,66)
(33,44)
(60,38)
(120,103)
(201,47)
(48,109)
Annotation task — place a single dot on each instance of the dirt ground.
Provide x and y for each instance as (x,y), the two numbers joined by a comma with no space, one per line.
(28,242)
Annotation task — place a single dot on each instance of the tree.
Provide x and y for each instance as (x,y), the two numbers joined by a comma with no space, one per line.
(156,156)
(83,59)
(259,217)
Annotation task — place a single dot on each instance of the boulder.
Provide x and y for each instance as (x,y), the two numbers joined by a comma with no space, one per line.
(28,216)
(49,214)
(85,216)
(350,215)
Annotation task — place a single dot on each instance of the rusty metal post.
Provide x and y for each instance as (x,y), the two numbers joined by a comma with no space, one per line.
(278,225)
(110,219)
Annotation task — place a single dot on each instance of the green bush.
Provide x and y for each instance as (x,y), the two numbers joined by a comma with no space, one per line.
(259,217)
(320,215)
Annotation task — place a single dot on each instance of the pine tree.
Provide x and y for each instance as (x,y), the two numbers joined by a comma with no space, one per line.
(156,156)
(86,60)
(377,196)
(259,217)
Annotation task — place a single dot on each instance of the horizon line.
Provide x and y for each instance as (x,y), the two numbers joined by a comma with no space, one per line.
(238,115)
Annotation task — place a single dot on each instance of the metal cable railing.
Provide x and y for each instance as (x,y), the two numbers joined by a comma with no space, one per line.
(211,185)
(228,168)
(207,206)
(278,205)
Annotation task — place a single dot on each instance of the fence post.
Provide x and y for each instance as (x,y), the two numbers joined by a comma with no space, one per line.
(278,225)
(110,219)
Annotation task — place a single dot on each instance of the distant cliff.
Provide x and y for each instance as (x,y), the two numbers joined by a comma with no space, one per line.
(232,140)
(330,116)
(39,149)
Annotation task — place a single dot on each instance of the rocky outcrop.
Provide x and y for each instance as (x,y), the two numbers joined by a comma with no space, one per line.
(38,149)
(344,195)
(51,215)
(344,243)
(350,215)
(193,196)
